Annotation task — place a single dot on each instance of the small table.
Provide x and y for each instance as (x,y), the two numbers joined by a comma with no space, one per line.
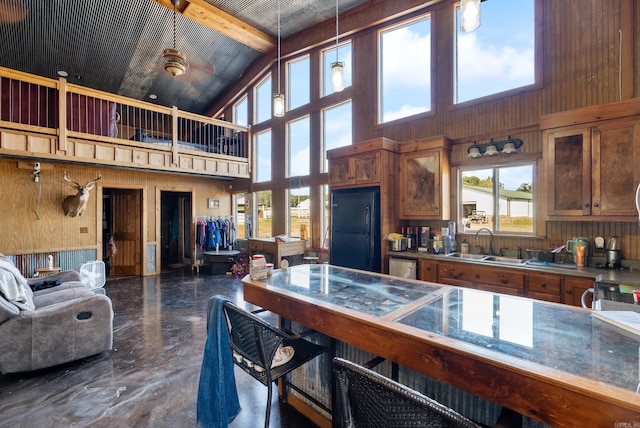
(47,271)
(220,256)
(277,250)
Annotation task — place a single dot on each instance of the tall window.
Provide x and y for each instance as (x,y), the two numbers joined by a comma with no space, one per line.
(263,97)
(263,157)
(264,214)
(300,213)
(298,134)
(500,54)
(239,201)
(241,112)
(299,82)
(499,198)
(328,58)
(405,70)
(336,129)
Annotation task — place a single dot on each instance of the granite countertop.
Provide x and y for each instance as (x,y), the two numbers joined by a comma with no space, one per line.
(630,274)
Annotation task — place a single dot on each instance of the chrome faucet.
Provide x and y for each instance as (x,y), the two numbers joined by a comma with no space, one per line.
(490,239)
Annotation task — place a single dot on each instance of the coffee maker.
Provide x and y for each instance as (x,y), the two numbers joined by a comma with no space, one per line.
(614,255)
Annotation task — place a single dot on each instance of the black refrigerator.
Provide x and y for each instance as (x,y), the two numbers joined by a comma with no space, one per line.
(355,228)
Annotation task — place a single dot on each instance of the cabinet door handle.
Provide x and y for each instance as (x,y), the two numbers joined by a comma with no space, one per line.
(586,204)
(596,205)
(477,275)
(543,284)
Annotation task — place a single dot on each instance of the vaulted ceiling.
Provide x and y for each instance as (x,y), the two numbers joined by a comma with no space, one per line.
(116,45)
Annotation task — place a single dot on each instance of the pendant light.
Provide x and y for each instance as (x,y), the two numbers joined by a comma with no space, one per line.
(337,68)
(469,15)
(278,97)
(174,61)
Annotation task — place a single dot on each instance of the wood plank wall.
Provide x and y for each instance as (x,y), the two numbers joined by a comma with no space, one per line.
(22,232)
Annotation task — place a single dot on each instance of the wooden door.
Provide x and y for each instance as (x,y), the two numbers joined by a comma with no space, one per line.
(615,157)
(126,209)
(569,172)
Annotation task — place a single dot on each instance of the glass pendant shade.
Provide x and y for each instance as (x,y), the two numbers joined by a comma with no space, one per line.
(278,105)
(337,76)
(469,15)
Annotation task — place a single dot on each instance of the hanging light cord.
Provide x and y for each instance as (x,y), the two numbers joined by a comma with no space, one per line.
(37,210)
(174,23)
(337,31)
(279,47)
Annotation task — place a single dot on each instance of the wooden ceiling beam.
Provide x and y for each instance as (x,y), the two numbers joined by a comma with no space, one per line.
(202,12)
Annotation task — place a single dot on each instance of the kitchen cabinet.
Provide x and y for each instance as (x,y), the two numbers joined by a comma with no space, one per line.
(424,179)
(427,270)
(497,280)
(592,167)
(573,288)
(362,164)
(544,287)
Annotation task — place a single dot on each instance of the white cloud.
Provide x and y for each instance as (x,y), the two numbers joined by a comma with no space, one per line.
(485,68)
(404,111)
(406,58)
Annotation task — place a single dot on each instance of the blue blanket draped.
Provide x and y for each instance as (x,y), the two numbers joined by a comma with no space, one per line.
(218,403)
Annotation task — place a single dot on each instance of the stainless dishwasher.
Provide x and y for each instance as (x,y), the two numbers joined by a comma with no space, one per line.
(402,268)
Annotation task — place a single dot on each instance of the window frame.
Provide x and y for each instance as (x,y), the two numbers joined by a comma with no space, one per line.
(395,25)
(538,58)
(535,200)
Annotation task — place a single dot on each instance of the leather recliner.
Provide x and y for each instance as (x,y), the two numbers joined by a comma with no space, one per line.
(69,322)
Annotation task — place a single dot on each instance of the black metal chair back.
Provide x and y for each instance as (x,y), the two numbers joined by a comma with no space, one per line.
(255,342)
(367,399)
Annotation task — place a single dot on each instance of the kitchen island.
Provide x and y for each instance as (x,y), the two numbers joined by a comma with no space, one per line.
(550,362)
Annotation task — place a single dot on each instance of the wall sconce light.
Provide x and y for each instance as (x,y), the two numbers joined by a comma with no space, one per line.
(493,148)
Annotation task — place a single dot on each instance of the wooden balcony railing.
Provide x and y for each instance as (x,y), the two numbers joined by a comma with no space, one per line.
(97,127)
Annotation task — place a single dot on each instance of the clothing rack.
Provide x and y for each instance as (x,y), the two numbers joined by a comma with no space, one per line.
(212,233)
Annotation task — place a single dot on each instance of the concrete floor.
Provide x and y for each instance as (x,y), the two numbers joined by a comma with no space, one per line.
(150,378)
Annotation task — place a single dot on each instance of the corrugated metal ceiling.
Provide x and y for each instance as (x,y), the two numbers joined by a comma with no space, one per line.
(116,45)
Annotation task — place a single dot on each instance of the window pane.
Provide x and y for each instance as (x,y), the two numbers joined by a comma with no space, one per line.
(499,55)
(240,220)
(336,129)
(263,96)
(328,58)
(298,138)
(264,214)
(324,226)
(241,112)
(513,194)
(299,83)
(263,157)
(477,199)
(516,199)
(405,70)
(300,213)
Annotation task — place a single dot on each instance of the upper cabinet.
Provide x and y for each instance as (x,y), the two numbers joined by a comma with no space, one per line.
(592,162)
(424,179)
(362,164)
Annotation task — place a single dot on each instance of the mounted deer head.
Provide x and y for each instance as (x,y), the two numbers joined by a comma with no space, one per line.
(74,205)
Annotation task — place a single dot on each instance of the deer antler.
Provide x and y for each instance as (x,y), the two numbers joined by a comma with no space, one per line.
(92,183)
(69,180)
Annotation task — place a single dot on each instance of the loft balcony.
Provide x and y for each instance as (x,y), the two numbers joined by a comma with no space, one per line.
(51,119)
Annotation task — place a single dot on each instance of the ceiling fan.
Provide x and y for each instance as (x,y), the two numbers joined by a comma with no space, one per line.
(174,61)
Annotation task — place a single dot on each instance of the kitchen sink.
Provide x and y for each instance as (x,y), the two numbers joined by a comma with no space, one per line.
(504,260)
(468,256)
